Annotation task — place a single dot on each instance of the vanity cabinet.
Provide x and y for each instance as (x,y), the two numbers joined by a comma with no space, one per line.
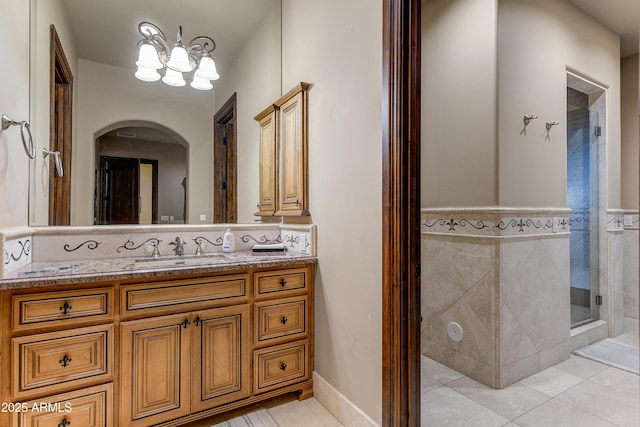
(160,351)
(283,169)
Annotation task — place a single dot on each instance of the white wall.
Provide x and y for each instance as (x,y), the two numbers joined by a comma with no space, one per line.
(630,132)
(255,77)
(337,47)
(538,41)
(14,101)
(459,103)
(109,95)
(44,13)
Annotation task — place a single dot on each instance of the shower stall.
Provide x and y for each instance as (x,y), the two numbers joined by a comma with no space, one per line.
(583,130)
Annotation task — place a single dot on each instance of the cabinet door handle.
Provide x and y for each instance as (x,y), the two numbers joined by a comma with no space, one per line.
(65,308)
(283,366)
(197,322)
(65,361)
(185,324)
(283,282)
(284,320)
(64,423)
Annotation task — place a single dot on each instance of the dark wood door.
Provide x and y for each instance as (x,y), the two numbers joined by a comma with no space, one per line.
(119,190)
(224,161)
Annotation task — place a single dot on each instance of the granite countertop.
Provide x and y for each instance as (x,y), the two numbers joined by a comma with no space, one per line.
(39,274)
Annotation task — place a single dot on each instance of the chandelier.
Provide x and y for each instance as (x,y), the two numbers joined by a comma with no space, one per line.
(155,55)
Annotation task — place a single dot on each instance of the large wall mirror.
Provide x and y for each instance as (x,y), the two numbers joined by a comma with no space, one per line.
(156,140)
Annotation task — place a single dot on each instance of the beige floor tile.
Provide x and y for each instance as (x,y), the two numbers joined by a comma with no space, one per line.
(604,402)
(581,367)
(438,371)
(427,383)
(630,334)
(559,414)
(295,414)
(321,412)
(552,381)
(445,407)
(510,402)
(618,379)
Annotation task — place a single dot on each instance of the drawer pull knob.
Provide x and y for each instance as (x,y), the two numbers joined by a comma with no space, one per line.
(64,423)
(185,324)
(283,282)
(65,308)
(283,366)
(65,361)
(198,321)
(284,320)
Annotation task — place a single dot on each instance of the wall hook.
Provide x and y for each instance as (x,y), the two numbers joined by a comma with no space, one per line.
(550,124)
(58,158)
(527,119)
(29,147)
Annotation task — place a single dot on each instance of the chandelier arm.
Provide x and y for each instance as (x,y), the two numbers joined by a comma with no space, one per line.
(158,40)
(147,29)
(202,44)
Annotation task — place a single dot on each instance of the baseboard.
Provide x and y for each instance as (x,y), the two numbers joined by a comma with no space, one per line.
(340,407)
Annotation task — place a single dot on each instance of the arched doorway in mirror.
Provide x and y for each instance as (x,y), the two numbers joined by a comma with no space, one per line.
(141,175)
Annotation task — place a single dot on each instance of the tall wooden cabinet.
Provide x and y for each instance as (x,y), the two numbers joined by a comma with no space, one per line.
(283,169)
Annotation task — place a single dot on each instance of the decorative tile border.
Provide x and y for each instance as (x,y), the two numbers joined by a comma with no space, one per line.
(16,247)
(496,222)
(631,220)
(615,220)
(299,238)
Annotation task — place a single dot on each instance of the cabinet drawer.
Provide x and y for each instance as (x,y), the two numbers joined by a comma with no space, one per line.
(272,283)
(190,293)
(47,363)
(92,407)
(61,308)
(279,366)
(283,318)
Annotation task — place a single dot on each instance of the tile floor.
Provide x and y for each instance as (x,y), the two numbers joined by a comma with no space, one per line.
(577,392)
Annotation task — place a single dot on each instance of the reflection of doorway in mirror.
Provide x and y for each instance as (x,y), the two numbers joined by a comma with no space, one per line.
(149,143)
(146,193)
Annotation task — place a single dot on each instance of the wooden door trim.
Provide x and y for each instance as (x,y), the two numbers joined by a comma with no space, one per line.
(401,213)
(154,185)
(226,114)
(60,188)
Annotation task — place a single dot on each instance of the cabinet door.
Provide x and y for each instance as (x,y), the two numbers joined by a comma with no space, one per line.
(154,369)
(267,169)
(221,357)
(293,155)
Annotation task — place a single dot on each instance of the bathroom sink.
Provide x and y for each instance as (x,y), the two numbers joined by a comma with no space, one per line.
(177,261)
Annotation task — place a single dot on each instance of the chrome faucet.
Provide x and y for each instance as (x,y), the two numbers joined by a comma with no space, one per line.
(179,246)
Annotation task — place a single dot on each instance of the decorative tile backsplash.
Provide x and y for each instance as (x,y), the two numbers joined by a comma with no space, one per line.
(23,246)
(16,247)
(496,221)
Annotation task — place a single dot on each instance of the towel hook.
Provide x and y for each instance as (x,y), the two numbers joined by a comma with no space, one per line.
(29,147)
(550,124)
(58,158)
(527,118)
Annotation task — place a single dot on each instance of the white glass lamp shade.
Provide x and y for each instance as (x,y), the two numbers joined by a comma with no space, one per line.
(148,57)
(173,78)
(179,60)
(200,83)
(207,69)
(147,74)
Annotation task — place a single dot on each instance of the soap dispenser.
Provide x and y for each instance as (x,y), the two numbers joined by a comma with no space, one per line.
(228,241)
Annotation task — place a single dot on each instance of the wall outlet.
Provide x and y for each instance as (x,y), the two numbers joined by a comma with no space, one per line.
(171,218)
(556,224)
(627,219)
(203,217)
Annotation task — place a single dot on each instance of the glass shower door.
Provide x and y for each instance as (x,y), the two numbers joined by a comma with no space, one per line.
(582,197)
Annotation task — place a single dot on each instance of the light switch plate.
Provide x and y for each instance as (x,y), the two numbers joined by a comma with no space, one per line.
(203,217)
(556,224)
(627,220)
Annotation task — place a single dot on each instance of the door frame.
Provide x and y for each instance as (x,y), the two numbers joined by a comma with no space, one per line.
(225,185)
(401,213)
(61,100)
